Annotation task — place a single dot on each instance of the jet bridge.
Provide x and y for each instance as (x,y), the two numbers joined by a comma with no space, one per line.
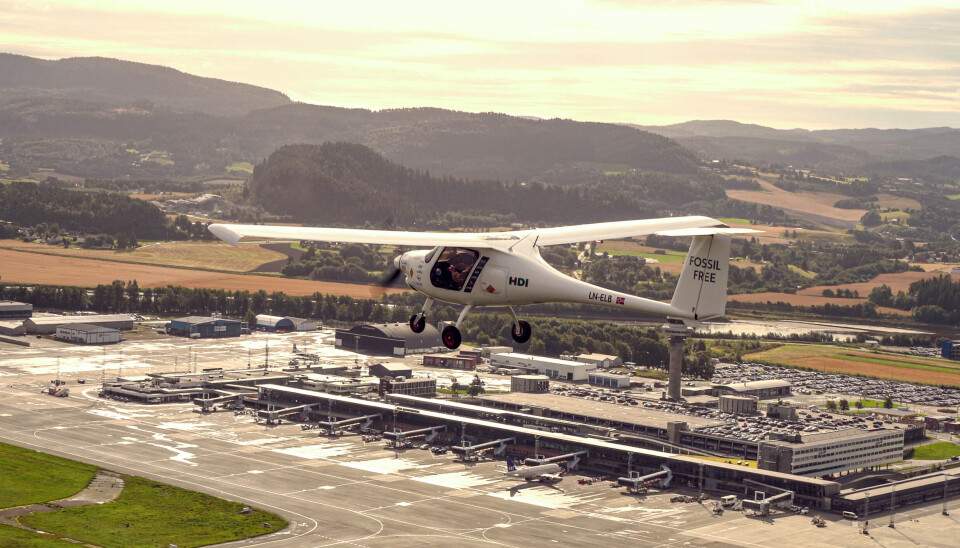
(570,459)
(272,416)
(207,404)
(430,432)
(470,450)
(366,421)
(761,503)
(636,482)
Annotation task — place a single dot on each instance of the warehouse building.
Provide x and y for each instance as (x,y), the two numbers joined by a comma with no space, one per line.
(393,339)
(745,405)
(390,370)
(48,325)
(205,327)
(601,361)
(828,453)
(12,310)
(950,350)
(426,388)
(284,324)
(465,363)
(82,333)
(554,368)
(12,328)
(609,380)
(530,384)
(759,389)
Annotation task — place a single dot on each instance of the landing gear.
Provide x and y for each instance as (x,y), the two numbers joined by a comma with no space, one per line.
(450,337)
(418,322)
(521,331)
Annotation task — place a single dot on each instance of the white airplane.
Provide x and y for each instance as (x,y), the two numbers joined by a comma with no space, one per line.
(505,269)
(547,473)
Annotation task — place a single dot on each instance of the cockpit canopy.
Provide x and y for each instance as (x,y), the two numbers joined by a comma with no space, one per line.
(453,267)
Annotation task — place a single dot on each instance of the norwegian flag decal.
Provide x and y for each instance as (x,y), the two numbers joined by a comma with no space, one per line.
(620,300)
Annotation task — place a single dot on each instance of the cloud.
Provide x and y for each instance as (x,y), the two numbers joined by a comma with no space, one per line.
(785,68)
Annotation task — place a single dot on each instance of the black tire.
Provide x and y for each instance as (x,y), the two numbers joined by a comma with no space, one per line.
(450,337)
(524,334)
(417,326)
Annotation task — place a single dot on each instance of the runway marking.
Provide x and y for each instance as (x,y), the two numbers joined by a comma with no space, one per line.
(323,451)
(543,496)
(189,426)
(454,480)
(388,465)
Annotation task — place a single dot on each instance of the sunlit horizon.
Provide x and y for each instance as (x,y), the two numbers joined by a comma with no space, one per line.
(781,64)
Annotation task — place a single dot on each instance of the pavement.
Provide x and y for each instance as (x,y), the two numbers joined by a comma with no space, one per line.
(344,492)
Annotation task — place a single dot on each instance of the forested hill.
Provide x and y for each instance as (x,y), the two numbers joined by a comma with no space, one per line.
(28,204)
(845,149)
(104,80)
(475,145)
(350,184)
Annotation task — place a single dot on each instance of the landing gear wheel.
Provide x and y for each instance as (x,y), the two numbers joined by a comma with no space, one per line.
(521,332)
(417,326)
(450,337)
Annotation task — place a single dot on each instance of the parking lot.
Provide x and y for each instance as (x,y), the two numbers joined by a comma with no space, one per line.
(819,383)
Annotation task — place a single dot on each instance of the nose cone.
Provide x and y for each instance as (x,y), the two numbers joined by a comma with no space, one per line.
(396,261)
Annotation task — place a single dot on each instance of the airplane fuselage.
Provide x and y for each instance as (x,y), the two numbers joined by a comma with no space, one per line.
(505,278)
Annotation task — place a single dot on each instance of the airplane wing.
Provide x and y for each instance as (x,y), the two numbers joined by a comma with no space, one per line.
(545,236)
(620,229)
(232,234)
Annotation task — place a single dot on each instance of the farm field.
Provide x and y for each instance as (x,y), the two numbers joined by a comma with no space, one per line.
(899,281)
(819,204)
(148,197)
(212,255)
(34,268)
(671,262)
(852,362)
(806,300)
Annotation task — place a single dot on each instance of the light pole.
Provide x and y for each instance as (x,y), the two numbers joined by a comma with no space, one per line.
(893,503)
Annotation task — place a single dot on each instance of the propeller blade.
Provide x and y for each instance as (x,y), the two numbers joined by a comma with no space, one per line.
(390,278)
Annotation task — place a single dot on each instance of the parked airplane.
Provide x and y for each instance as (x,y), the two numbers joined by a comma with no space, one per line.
(497,269)
(547,473)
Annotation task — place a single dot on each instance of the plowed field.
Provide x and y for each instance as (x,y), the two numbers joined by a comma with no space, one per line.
(34,268)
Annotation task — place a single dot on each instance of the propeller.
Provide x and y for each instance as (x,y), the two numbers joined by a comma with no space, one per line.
(390,275)
(390,278)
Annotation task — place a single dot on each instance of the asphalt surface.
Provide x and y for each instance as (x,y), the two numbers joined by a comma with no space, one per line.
(343,492)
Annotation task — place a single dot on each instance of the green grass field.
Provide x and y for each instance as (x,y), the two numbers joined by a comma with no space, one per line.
(936,451)
(4,167)
(953,196)
(670,257)
(734,220)
(802,272)
(245,167)
(151,514)
(27,477)
(13,537)
(903,216)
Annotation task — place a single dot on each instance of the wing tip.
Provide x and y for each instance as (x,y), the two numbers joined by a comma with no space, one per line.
(225,233)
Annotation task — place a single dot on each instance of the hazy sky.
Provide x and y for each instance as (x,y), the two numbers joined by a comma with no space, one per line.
(808,63)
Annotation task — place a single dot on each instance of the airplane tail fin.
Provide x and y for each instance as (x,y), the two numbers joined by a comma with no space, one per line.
(702,289)
(510,465)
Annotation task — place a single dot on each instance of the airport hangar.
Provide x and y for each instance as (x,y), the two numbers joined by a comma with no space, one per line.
(394,339)
(519,434)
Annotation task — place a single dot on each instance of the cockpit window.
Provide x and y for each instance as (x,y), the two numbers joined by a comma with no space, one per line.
(429,256)
(453,267)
